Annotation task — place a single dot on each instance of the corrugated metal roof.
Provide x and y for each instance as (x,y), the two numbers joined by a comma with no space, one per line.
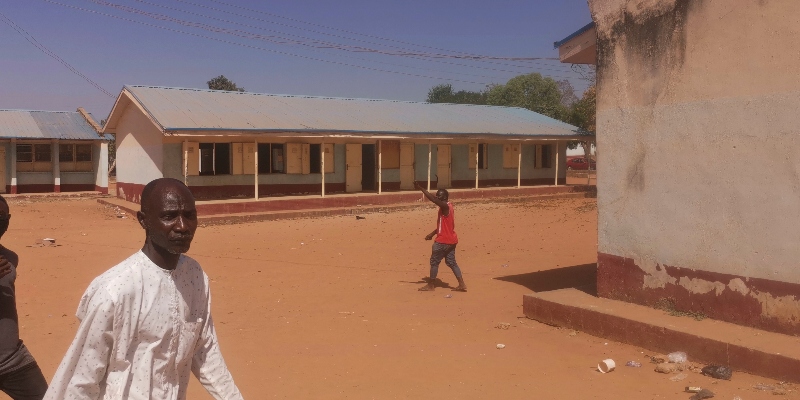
(22,124)
(178,109)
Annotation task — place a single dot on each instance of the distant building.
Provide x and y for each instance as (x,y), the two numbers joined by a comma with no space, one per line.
(240,145)
(52,151)
(713,232)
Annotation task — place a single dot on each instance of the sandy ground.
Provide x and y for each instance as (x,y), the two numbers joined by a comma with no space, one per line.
(329,308)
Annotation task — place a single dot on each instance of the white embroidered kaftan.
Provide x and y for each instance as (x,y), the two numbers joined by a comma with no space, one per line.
(142,330)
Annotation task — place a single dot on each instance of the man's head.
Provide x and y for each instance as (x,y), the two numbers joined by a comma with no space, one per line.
(168,215)
(5,216)
(442,194)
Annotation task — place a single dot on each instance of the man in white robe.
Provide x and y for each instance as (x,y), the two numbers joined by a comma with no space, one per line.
(146,322)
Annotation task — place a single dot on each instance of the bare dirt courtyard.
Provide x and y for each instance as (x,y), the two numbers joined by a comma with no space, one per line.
(329,309)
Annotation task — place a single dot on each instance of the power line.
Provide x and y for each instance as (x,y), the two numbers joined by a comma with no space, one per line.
(257,47)
(32,40)
(467,56)
(255,36)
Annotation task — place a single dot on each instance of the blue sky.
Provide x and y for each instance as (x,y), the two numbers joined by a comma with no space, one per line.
(303,47)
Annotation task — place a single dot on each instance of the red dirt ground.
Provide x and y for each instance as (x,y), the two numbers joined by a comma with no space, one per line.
(329,308)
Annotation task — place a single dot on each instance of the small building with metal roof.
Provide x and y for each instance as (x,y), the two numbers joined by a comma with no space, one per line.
(52,151)
(239,144)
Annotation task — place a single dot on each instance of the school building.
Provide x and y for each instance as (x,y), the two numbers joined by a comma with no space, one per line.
(711,232)
(228,145)
(52,151)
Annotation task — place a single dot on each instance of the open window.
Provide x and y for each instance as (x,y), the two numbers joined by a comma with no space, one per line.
(34,157)
(215,158)
(482,150)
(544,156)
(75,158)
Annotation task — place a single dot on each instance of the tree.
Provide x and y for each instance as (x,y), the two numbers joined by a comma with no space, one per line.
(444,94)
(531,91)
(583,114)
(568,96)
(223,83)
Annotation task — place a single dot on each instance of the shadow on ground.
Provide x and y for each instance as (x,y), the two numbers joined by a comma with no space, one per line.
(581,277)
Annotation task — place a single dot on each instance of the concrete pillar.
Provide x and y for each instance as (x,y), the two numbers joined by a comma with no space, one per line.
(101,184)
(13,188)
(55,159)
(186,162)
(322,166)
(429,167)
(557,145)
(519,167)
(477,167)
(380,171)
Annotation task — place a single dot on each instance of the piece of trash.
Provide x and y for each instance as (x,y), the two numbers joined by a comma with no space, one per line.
(302,243)
(693,389)
(635,364)
(703,394)
(49,240)
(573,333)
(737,398)
(679,377)
(677,357)
(501,346)
(447,296)
(504,265)
(606,366)
(503,325)
(666,368)
(762,386)
(718,372)
(779,392)
(360,217)
(344,312)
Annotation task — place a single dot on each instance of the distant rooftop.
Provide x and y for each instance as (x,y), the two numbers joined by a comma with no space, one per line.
(180,109)
(28,124)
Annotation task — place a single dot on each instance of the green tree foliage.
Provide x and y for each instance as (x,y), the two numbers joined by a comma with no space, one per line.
(584,111)
(531,91)
(444,94)
(223,83)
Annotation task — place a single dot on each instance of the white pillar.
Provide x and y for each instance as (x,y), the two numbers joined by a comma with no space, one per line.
(55,158)
(322,167)
(186,162)
(102,168)
(13,166)
(557,145)
(519,167)
(477,152)
(255,171)
(380,177)
(429,166)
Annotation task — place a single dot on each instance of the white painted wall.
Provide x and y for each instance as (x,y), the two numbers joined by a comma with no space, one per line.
(140,154)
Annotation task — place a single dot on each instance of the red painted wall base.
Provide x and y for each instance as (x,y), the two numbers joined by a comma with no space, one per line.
(760,303)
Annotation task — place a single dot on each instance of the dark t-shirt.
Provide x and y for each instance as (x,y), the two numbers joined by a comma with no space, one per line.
(9,322)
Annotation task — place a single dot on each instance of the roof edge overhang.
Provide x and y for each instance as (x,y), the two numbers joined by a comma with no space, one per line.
(318,134)
(126,98)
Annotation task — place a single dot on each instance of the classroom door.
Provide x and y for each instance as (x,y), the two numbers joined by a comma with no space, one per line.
(353,168)
(443,166)
(407,166)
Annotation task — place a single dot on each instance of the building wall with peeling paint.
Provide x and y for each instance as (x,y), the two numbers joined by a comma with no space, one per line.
(698,123)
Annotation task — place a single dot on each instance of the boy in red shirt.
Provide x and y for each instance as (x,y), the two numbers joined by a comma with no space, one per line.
(446,239)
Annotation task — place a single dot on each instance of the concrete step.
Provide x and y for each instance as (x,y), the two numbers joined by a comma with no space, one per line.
(762,353)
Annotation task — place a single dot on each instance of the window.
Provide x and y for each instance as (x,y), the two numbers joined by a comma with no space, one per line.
(34,157)
(215,158)
(315,157)
(483,155)
(75,157)
(543,156)
(277,159)
(390,154)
